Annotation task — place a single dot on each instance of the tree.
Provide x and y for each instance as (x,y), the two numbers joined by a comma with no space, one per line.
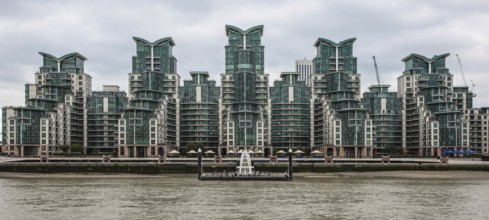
(65,148)
(191,146)
(76,148)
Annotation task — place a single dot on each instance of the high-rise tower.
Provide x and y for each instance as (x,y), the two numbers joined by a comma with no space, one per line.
(55,112)
(150,124)
(244,103)
(431,119)
(340,123)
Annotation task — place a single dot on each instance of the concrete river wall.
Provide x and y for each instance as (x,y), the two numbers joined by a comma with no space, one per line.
(168,168)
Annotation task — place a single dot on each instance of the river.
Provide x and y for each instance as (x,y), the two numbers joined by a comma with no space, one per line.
(376,195)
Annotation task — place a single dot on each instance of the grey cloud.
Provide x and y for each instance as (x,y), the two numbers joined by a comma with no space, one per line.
(102,31)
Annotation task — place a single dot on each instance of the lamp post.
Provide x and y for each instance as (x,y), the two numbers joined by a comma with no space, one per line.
(199,163)
(290,164)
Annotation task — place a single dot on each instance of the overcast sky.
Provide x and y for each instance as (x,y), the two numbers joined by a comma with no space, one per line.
(102,31)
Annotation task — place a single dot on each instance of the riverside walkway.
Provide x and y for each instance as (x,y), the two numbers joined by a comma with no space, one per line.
(256,160)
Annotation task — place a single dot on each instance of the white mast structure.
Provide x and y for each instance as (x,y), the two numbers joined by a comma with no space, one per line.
(245,167)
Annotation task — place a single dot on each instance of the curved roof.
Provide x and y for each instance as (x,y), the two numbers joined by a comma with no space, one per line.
(421,57)
(205,73)
(332,43)
(75,54)
(157,42)
(249,30)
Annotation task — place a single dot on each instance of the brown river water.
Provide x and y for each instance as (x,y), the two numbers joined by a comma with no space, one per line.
(376,195)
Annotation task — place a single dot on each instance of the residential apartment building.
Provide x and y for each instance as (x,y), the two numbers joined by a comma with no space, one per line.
(104,110)
(244,110)
(54,112)
(385,110)
(291,114)
(341,126)
(432,120)
(199,111)
(318,106)
(150,124)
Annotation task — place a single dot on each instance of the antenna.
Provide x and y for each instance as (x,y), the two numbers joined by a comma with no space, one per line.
(376,70)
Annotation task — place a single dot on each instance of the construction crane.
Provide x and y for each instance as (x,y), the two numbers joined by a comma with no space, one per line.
(376,70)
(460,67)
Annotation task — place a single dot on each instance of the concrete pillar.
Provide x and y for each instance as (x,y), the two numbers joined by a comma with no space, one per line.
(432,151)
(364,151)
(334,152)
(135,151)
(21,151)
(356,152)
(342,152)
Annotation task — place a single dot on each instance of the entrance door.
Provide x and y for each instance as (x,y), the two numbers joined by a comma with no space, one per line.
(329,152)
(349,152)
(141,151)
(224,152)
(161,151)
(30,151)
(131,151)
(267,152)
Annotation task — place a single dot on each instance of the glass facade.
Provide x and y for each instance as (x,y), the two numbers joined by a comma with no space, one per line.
(104,110)
(291,113)
(150,120)
(426,115)
(432,118)
(199,111)
(385,110)
(58,99)
(245,108)
(340,121)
